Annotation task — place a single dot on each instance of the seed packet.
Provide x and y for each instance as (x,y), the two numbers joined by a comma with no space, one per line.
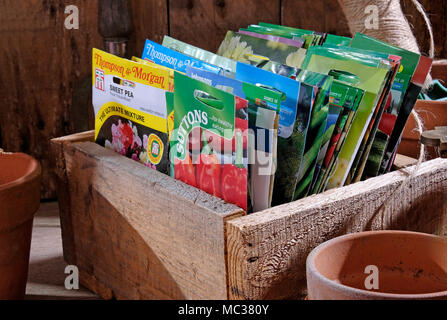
(227,64)
(171,71)
(333,114)
(312,38)
(216,160)
(361,157)
(372,73)
(377,152)
(263,114)
(293,124)
(130,109)
(290,42)
(407,85)
(172,59)
(314,137)
(238,46)
(319,82)
(338,98)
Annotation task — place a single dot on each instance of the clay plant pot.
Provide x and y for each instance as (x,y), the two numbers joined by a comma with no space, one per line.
(410,265)
(19,200)
(432,113)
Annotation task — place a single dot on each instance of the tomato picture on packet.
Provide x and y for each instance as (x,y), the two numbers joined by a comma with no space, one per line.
(210,145)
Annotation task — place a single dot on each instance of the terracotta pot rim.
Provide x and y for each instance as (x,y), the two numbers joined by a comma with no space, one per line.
(310,263)
(427,103)
(33,174)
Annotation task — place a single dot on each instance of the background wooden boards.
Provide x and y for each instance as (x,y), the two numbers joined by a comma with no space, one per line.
(45,77)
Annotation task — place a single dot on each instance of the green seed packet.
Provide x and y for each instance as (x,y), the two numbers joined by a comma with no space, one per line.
(347,99)
(227,63)
(242,47)
(274,31)
(311,38)
(371,72)
(206,128)
(314,138)
(406,87)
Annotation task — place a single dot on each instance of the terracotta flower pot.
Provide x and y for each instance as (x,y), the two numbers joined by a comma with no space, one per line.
(19,201)
(409,265)
(432,113)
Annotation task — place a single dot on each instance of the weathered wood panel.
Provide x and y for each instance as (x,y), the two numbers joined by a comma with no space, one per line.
(42,64)
(136,233)
(204,23)
(45,83)
(267,251)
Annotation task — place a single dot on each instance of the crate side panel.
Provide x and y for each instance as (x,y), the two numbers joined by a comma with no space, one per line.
(142,234)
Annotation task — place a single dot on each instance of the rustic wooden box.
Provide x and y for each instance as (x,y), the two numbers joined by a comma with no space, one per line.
(137,234)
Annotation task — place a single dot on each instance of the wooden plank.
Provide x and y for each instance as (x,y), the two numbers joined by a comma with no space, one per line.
(150,20)
(267,250)
(43,65)
(204,23)
(317,15)
(64,197)
(139,234)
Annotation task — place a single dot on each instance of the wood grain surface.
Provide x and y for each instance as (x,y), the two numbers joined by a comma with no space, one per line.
(135,233)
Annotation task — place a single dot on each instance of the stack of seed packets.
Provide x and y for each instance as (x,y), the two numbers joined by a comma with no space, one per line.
(277,114)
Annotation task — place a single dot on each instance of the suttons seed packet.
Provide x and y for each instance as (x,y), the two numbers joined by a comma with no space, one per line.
(130,109)
(263,116)
(210,143)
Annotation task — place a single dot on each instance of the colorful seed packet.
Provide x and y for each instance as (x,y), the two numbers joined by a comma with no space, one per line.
(372,73)
(318,84)
(227,64)
(172,59)
(348,99)
(294,121)
(210,147)
(263,116)
(312,37)
(361,157)
(406,87)
(130,109)
(320,109)
(242,47)
(291,42)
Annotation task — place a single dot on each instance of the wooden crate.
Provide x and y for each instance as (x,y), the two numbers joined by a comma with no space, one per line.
(137,234)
